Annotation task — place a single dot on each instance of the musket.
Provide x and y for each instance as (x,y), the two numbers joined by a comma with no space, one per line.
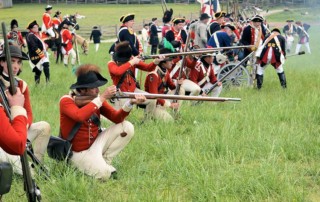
(183,63)
(196,52)
(300,53)
(229,73)
(83,100)
(30,187)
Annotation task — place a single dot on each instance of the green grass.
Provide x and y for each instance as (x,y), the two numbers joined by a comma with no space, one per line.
(265,148)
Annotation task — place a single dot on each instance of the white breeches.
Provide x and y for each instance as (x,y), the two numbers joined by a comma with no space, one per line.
(260,70)
(215,92)
(96,161)
(38,134)
(51,32)
(190,86)
(66,56)
(96,45)
(307,45)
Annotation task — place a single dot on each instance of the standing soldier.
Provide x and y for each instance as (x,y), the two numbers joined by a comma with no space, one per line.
(145,38)
(154,40)
(253,34)
(289,30)
(39,132)
(15,34)
(302,31)
(38,57)
(201,31)
(126,33)
(273,51)
(56,20)
(215,24)
(47,27)
(96,35)
(166,19)
(66,45)
(177,36)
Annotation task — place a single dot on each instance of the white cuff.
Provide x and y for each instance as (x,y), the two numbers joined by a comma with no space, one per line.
(127,106)
(97,101)
(18,110)
(167,103)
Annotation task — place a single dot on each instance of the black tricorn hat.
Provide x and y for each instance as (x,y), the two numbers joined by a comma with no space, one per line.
(13,23)
(257,18)
(31,24)
(90,79)
(204,16)
(154,19)
(178,20)
(229,26)
(290,21)
(15,52)
(126,18)
(48,7)
(122,52)
(220,14)
(167,16)
(276,30)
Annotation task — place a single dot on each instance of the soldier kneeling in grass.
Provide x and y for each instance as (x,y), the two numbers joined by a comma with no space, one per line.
(93,148)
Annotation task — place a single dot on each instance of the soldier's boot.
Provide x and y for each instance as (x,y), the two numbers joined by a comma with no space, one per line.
(37,75)
(283,81)
(259,81)
(46,71)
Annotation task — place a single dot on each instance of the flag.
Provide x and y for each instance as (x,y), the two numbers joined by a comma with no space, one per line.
(209,6)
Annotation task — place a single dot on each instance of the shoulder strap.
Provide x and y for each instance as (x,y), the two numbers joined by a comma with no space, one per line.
(124,76)
(74,130)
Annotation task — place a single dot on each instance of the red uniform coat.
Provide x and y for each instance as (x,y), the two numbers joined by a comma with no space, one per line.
(13,136)
(157,84)
(25,91)
(189,63)
(46,20)
(70,114)
(17,37)
(56,22)
(129,84)
(66,38)
(197,74)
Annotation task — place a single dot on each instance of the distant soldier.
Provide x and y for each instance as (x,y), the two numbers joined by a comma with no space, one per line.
(215,24)
(253,34)
(289,30)
(38,57)
(273,51)
(302,31)
(96,35)
(201,31)
(15,35)
(67,46)
(47,25)
(167,16)
(154,40)
(145,37)
(177,36)
(126,33)
(56,20)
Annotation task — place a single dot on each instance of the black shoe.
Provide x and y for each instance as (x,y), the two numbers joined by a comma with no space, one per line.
(259,81)
(283,81)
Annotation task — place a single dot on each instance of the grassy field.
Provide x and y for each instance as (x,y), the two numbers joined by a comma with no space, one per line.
(265,148)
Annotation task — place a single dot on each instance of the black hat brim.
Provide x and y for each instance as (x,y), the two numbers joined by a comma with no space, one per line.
(23,55)
(96,84)
(119,59)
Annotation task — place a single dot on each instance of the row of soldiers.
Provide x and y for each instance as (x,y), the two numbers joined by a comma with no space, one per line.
(95,147)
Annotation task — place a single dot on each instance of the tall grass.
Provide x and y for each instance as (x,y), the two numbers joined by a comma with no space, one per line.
(265,148)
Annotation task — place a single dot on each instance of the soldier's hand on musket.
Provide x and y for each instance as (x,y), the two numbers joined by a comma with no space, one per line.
(180,81)
(174,105)
(108,93)
(138,99)
(134,61)
(219,83)
(16,99)
(159,59)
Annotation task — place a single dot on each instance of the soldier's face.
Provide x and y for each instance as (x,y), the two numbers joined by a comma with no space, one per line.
(16,64)
(256,24)
(90,92)
(179,26)
(130,23)
(167,64)
(35,29)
